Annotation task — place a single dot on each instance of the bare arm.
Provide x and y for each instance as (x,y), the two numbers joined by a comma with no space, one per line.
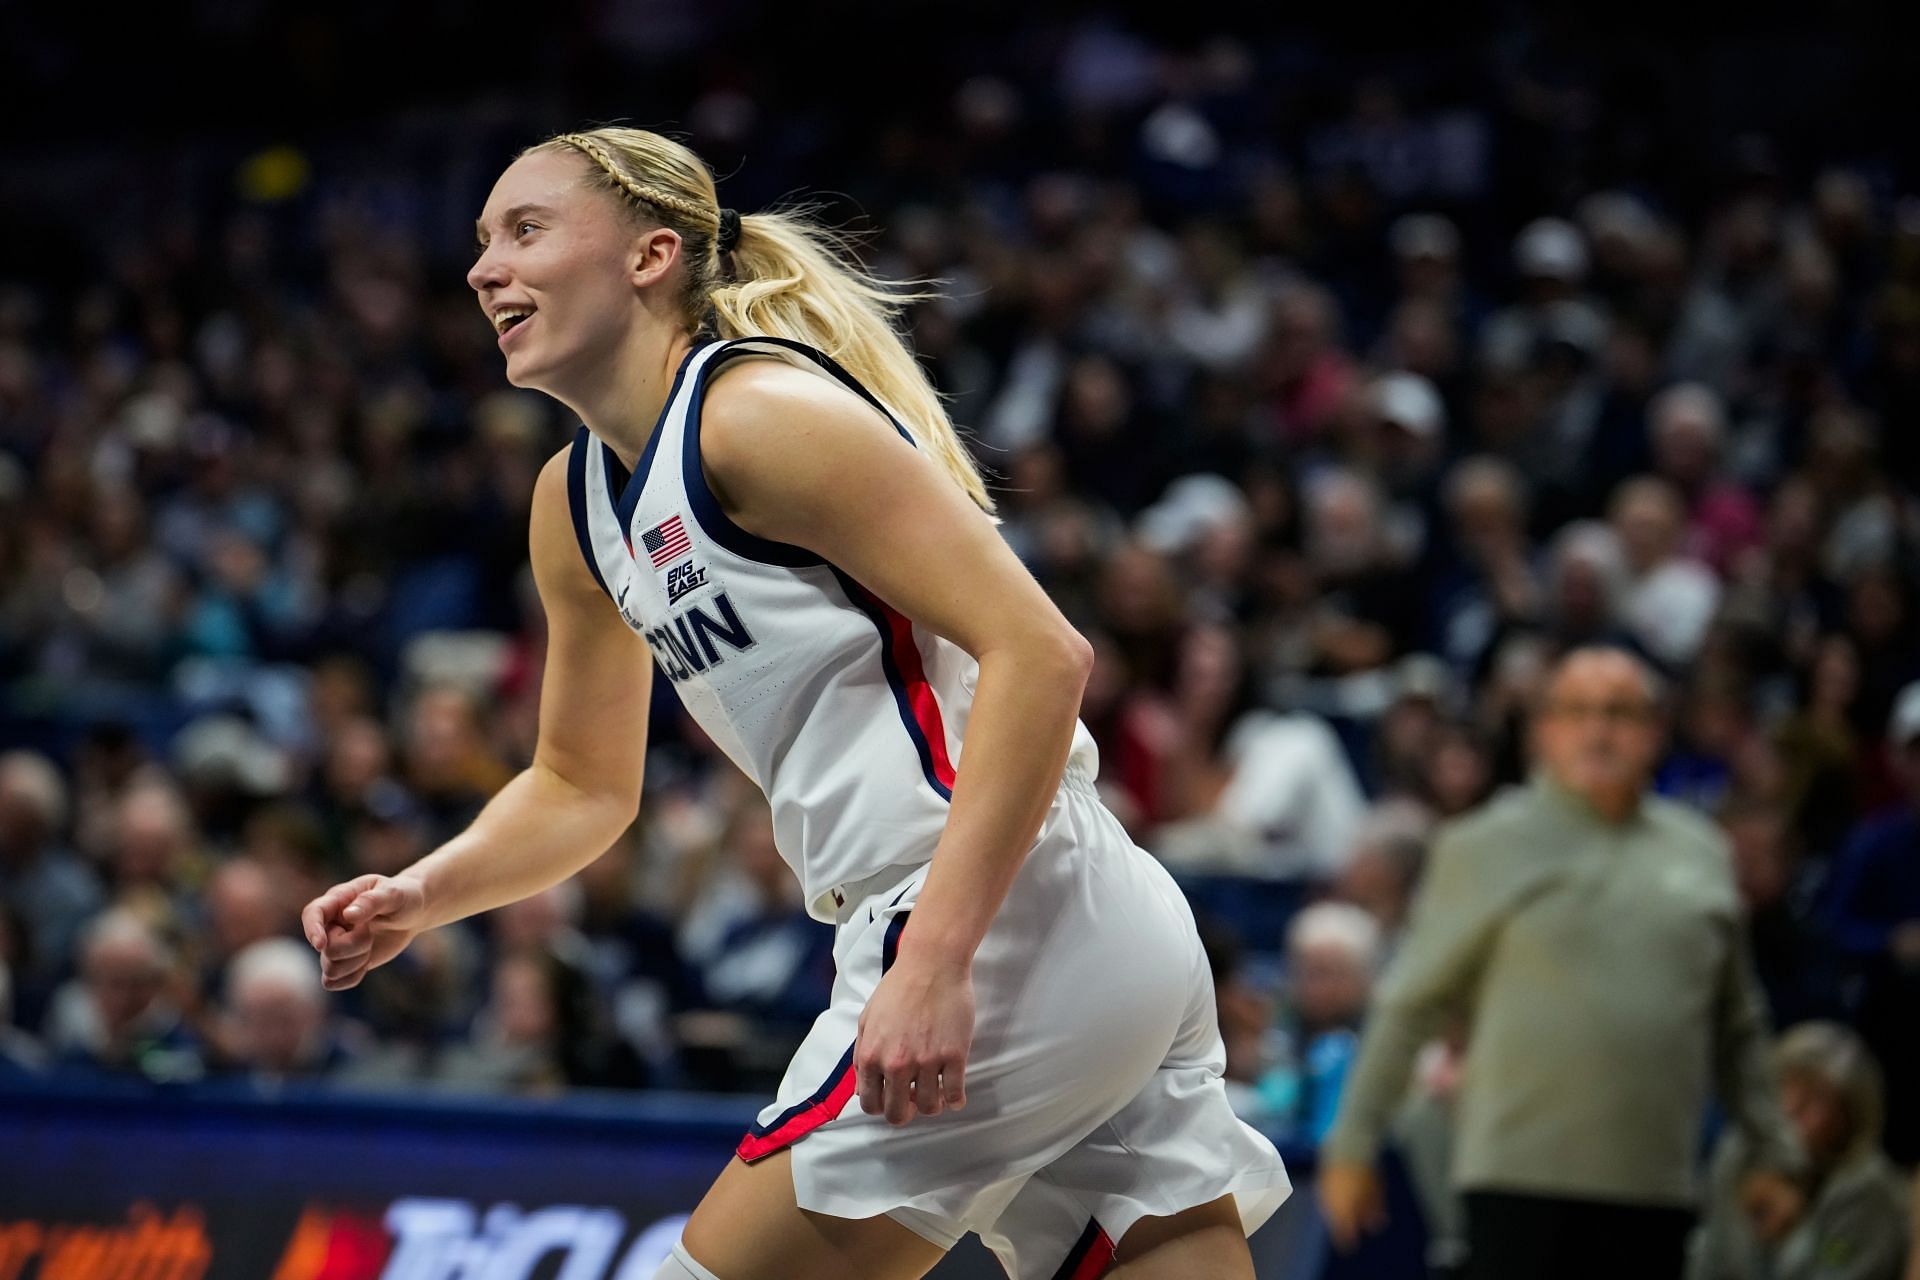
(583,786)
(555,816)
(1452,925)
(799,460)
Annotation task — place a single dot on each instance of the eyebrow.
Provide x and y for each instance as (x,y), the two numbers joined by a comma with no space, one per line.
(508,217)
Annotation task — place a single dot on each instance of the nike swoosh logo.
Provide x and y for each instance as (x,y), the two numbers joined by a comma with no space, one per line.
(621,603)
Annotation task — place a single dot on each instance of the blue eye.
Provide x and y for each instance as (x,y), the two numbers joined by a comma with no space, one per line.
(518,225)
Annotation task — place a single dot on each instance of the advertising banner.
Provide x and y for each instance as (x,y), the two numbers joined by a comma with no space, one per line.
(144,1183)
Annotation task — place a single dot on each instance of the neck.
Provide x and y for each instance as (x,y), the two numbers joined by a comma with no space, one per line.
(1614,806)
(1609,806)
(623,409)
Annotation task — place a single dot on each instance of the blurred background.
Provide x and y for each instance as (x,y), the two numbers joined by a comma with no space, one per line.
(1337,372)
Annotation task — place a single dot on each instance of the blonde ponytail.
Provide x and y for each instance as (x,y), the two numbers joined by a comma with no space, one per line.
(791,278)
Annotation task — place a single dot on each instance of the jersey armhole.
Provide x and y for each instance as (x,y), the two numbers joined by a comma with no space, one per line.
(577,502)
(706,508)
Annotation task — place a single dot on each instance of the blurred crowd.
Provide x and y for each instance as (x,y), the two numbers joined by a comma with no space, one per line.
(1329,438)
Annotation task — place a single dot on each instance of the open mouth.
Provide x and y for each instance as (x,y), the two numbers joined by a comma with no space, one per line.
(513,326)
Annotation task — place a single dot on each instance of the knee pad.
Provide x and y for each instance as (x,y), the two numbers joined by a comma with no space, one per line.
(681,1266)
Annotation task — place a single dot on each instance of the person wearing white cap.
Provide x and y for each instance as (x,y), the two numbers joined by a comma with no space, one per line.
(1551,249)
(1550,259)
(1426,251)
(1874,921)
(1409,401)
(1406,444)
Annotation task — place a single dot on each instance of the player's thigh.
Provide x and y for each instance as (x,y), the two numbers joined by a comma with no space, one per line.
(747,1227)
(1206,1240)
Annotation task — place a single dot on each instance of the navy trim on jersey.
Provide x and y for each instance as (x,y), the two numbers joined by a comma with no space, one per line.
(706,508)
(626,494)
(865,603)
(834,367)
(577,501)
(890,945)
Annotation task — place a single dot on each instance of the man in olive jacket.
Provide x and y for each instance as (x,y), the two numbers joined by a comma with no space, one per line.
(1591,934)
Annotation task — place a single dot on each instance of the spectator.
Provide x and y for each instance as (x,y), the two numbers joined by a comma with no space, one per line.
(539,1032)
(1550,257)
(1459,773)
(122,1013)
(1246,1026)
(1389,851)
(154,861)
(450,766)
(1301,367)
(1333,951)
(1855,1226)
(1875,918)
(277,1026)
(1592,930)
(1777,890)
(1670,599)
(769,961)
(1820,750)
(1586,586)
(1688,429)
(20,1053)
(41,882)
(1244,789)
(1368,606)
(1486,582)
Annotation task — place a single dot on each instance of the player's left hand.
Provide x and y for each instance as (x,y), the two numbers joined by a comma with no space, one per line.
(910,1054)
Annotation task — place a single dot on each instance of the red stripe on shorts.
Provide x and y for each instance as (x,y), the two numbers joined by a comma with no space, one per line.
(1090,1256)
(800,1124)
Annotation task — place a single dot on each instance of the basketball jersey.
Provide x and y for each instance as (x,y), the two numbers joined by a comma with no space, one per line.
(844,712)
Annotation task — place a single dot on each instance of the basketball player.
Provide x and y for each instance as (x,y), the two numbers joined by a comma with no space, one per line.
(802,544)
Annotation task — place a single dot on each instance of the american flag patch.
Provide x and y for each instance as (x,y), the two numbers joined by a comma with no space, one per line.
(665,541)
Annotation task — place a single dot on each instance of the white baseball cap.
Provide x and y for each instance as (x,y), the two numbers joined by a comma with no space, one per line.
(1410,401)
(1551,247)
(1903,726)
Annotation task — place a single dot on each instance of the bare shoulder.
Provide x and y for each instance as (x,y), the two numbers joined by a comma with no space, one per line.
(550,502)
(560,571)
(753,402)
(785,448)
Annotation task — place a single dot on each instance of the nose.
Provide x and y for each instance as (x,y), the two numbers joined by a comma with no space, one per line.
(485,271)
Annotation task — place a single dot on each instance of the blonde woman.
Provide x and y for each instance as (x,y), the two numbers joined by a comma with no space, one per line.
(1854,1226)
(766,500)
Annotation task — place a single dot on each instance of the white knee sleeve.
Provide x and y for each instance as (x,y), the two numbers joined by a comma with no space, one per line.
(681,1266)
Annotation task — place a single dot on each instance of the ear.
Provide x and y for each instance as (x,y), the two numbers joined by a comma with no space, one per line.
(651,254)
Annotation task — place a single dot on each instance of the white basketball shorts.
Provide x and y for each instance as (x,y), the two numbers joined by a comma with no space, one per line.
(1094,1087)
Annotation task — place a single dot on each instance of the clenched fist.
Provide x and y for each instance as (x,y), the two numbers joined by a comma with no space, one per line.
(361,924)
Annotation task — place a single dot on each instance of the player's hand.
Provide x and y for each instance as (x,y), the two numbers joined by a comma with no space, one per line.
(1351,1202)
(910,1054)
(362,924)
(1773,1203)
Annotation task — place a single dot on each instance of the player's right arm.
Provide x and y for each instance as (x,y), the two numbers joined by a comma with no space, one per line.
(553,818)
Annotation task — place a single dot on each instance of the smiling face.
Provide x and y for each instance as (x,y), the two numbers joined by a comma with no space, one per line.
(562,249)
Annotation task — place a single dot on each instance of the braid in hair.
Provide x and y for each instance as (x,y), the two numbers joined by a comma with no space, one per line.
(655,196)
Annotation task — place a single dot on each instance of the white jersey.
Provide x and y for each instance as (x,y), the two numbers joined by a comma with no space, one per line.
(845,713)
